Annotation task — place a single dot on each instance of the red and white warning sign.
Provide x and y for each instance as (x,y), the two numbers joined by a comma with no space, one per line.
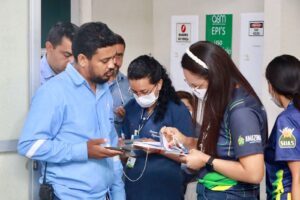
(256,28)
(183,32)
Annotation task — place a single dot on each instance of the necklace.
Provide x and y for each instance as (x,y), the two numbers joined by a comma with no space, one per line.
(144,119)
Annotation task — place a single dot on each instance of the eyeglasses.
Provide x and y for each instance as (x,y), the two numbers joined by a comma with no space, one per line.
(198,86)
(141,93)
(192,86)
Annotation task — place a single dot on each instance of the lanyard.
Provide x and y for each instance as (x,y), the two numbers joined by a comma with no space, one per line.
(143,121)
(121,95)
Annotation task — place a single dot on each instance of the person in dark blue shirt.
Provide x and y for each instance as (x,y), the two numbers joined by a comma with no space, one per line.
(282,154)
(154,106)
(233,131)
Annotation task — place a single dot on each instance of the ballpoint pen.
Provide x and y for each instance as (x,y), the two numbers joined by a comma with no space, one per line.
(180,145)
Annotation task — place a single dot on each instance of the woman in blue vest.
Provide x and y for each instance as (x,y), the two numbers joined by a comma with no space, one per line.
(282,154)
(155,104)
(229,151)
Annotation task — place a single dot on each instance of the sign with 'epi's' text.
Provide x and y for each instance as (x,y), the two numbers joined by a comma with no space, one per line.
(219,30)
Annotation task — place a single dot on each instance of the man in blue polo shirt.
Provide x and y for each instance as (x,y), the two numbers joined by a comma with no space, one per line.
(70,123)
(58,50)
(119,86)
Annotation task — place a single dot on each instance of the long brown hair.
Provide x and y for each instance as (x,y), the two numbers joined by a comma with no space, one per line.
(222,76)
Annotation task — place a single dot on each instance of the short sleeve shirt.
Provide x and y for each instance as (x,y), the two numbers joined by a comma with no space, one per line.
(244,127)
(243,131)
(283,146)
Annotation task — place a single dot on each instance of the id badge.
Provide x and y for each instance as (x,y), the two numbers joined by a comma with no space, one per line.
(131,162)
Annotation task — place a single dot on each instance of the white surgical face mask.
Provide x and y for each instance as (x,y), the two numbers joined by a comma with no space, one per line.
(146,101)
(200,93)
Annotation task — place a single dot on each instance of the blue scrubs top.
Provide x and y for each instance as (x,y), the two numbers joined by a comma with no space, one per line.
(283,146)
(162,178)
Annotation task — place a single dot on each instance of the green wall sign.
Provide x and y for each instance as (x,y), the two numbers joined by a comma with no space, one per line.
(219,30)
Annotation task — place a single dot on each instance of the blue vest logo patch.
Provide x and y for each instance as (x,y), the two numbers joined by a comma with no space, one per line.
(287,139)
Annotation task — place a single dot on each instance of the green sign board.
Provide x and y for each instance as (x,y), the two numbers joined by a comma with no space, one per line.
(219,30)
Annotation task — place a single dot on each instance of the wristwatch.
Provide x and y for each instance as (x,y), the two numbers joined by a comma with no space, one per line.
(209,165)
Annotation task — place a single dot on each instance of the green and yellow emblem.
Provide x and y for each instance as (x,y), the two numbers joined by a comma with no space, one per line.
(241,141)
(287,139)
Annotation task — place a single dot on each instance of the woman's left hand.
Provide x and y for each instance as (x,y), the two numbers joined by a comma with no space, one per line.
(195,159)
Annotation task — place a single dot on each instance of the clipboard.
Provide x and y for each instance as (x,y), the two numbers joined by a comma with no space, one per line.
(162,145)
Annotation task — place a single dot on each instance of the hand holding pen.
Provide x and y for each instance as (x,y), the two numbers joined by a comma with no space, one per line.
(179,145)
(172,135)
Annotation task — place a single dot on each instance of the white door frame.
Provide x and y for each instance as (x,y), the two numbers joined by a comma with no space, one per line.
(34,78)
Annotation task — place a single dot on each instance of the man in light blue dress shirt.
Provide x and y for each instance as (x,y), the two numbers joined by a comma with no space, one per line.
(58,50)
(119,86)
(70,122)
(58,54)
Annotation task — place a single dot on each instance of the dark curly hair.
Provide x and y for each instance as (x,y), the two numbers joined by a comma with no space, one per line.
(90,37)
(147,67)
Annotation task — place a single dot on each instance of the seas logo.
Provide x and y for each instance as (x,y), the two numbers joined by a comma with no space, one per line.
(287,139)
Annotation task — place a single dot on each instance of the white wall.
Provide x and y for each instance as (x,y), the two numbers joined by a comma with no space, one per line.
(14,94)
(290,27)
(282,36)
(272,46)
(132,19)
(164,9)
(81,11)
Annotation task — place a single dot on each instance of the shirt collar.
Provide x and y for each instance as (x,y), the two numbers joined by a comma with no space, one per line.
(78,80)
(46,70)
(76,77)
(120,76)
(290,105)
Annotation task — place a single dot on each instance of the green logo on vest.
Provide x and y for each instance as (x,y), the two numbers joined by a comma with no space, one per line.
(241,141)
(287,139)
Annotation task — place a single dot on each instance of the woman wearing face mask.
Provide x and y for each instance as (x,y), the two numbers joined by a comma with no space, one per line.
(229,151)
(282,154)
(155,105)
